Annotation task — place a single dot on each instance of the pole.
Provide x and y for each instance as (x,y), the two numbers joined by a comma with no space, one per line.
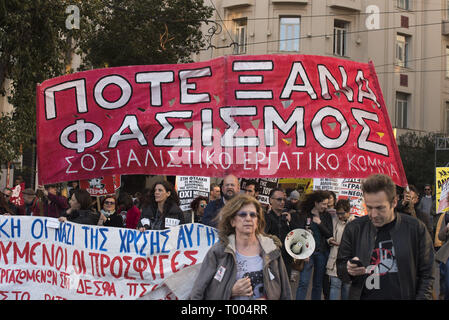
(8,174)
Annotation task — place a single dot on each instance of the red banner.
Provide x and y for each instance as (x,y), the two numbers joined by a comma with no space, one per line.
(101,186)
(253,116)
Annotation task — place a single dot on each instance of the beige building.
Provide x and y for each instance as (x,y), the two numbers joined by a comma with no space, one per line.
(407,40)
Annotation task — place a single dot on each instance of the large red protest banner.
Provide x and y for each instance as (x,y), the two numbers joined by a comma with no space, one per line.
(254,116)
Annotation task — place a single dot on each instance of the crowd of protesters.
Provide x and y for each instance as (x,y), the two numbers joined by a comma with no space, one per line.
(397,224)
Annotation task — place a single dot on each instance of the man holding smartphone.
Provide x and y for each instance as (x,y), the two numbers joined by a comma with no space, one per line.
(387,255)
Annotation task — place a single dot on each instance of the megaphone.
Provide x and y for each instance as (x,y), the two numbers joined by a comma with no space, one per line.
(299,244)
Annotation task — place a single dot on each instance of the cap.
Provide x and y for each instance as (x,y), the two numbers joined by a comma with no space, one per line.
(294,195)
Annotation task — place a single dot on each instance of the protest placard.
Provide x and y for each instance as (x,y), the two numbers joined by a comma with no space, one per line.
(352,189)
(265,187)
(101,186)
(442,189)
(252,116)
(42,259)
(190,187)
(329,184)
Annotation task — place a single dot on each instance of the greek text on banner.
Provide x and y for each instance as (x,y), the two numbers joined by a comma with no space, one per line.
(41,258)
(253,116)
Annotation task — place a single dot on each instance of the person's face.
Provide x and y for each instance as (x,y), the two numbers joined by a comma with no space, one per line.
(414,197)
(73,202)
(109,204)
(28,198)
(331,202)
(160,194)
(7,194)
(277,201)
(380,210)
(342,215)
(245,220)
(322,206)
(250,190)
(294,201)
(52,190)
(201,207)
(428,190)
(230,187)
(215,193)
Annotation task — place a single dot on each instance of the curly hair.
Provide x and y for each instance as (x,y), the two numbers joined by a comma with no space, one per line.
(343,204)
(316,196)
(228,212)
(196,202)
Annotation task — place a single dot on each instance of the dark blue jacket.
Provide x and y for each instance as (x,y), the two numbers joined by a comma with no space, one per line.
(211,211)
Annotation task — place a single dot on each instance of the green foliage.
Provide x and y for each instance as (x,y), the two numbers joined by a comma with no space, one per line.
(418,157)
(35,45)
(9,141)
(141,32)
(32,49)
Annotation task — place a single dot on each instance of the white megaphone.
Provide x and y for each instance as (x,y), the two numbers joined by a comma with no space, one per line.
(300,244)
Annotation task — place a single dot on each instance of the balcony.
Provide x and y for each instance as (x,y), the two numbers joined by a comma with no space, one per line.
(355,5)
(237,3)
(291,1)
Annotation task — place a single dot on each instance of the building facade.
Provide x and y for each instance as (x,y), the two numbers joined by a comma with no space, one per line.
(407,40)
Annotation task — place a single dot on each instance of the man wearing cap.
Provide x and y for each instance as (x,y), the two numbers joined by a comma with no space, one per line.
(32,205)
(293,200)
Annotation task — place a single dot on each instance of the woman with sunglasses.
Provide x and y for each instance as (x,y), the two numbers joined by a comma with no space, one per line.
(245,263)
(109,215)
(196,214)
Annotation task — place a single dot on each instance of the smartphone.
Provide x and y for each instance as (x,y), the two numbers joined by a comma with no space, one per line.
(357,262)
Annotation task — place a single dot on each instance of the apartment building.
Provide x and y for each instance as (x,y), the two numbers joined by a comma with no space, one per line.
(407,40)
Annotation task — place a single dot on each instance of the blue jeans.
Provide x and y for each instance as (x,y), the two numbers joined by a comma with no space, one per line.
(317,264)
(338,290)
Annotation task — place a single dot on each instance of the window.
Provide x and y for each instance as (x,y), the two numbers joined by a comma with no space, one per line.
(402,50)
(447,62)
(446,118)
(340,37)
(447,9)
(289,33)
(404,4)
(401,110)
(240,28)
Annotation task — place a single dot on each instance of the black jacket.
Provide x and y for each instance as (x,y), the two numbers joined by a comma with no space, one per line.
(211,212)
(114,220)
(326,228)
(414,254)
(83,217)
(157,219)
(278,226)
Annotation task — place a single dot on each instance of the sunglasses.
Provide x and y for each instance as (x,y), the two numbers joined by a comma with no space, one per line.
(280,199)
(426,189)
(244,214)
(203,205)
(109,202)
